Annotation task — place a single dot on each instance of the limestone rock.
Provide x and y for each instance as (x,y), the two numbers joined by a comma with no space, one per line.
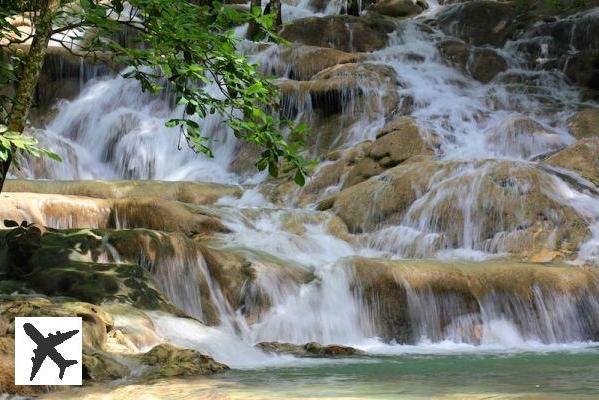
(395,190)
(331,174)
(479,22)
(301,62)
(507,210)
(311,349)
(583,69)
(397,141)
(484,64)
(72,212)
(456,52)
(384,286)
(99,367)
(69,264)
(7,372)
(167,361)
(396,8)
(584,123)
(581,157)
(341,32)
(186,192)
(363,170)
(340,96)
(96,322)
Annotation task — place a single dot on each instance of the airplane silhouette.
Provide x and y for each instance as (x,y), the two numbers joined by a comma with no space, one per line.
(46,348)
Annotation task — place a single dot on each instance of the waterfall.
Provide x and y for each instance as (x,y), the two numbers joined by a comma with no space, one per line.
(300,279)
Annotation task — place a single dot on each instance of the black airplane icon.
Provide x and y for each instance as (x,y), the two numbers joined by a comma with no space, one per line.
(46,348)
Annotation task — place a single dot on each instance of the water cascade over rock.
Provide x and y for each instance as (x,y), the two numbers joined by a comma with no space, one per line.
(455,202)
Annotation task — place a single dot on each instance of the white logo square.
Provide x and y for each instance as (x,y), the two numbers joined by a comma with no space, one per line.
(48,350)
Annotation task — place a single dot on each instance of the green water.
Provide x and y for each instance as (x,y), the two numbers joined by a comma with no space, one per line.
(491,376)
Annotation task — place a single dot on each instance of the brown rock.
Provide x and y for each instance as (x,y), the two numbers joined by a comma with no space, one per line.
(169,361)
(300,62)
(397,141)
(341,32)
(311,349)
(455,52)
(584,123)
(484,64)
(396,8)
(479,22)
(581,157)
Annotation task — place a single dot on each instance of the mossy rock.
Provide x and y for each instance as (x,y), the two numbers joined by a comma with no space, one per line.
(167,361)
(311,349)
(101,367)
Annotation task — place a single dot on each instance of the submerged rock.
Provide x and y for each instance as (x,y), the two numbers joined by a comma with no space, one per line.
(311,349)
(167,361)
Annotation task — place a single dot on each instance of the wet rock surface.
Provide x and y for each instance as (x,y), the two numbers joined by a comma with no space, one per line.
(167,361)
(341,32)
(312,349)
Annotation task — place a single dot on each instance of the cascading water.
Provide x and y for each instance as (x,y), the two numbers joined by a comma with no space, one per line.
(111,131)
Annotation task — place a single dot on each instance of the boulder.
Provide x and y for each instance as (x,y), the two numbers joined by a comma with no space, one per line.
(168,361)
(331,174)
(383,198)
(342,32)
(311,349)
(455,52)
(584,123)
(363,170)
(99,367)
(581,157)
(484,64)
(583,69)
(334,89)
(300,62)
(479,22)
(398,141)
(397,8)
